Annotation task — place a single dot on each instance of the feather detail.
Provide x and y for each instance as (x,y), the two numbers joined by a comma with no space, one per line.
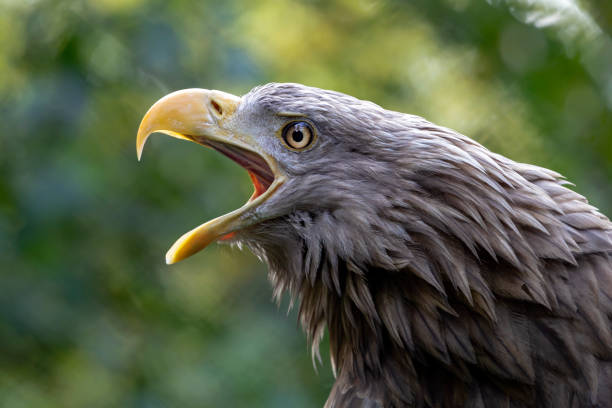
(446,275)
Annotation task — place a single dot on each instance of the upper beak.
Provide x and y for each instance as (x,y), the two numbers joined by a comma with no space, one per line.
(187,113)
(199,115)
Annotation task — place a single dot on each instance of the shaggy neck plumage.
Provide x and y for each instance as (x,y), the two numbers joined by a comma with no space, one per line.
(456,238)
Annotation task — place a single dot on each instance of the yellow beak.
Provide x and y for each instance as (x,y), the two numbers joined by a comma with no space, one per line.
(199,115)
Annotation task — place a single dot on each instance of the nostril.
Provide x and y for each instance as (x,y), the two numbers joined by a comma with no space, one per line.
(216,107)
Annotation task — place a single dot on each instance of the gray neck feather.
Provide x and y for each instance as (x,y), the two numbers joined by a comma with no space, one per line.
(428,263)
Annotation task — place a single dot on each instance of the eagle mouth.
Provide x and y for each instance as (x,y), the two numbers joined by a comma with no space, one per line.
(256,166)
(202,116)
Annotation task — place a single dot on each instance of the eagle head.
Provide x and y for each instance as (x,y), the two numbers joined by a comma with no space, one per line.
(446,275)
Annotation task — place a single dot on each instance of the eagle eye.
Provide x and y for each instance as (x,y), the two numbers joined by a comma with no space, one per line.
(298,135)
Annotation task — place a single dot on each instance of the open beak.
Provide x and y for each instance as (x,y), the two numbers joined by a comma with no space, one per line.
(199,115)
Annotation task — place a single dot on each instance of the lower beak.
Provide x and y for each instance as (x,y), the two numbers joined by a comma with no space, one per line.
(199,115)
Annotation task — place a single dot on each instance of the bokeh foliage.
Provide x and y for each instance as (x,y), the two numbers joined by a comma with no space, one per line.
(89,313)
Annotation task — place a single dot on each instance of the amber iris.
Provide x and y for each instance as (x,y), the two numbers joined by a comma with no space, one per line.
(298,135)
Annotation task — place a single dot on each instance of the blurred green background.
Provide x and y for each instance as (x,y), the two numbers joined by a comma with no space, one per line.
(90,316)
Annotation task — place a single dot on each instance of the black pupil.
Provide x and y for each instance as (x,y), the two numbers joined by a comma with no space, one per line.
(298,135)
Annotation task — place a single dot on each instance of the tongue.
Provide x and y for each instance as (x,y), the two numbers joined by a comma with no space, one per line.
(260,188)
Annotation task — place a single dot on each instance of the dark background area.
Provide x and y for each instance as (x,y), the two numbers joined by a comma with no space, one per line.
(90,315)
